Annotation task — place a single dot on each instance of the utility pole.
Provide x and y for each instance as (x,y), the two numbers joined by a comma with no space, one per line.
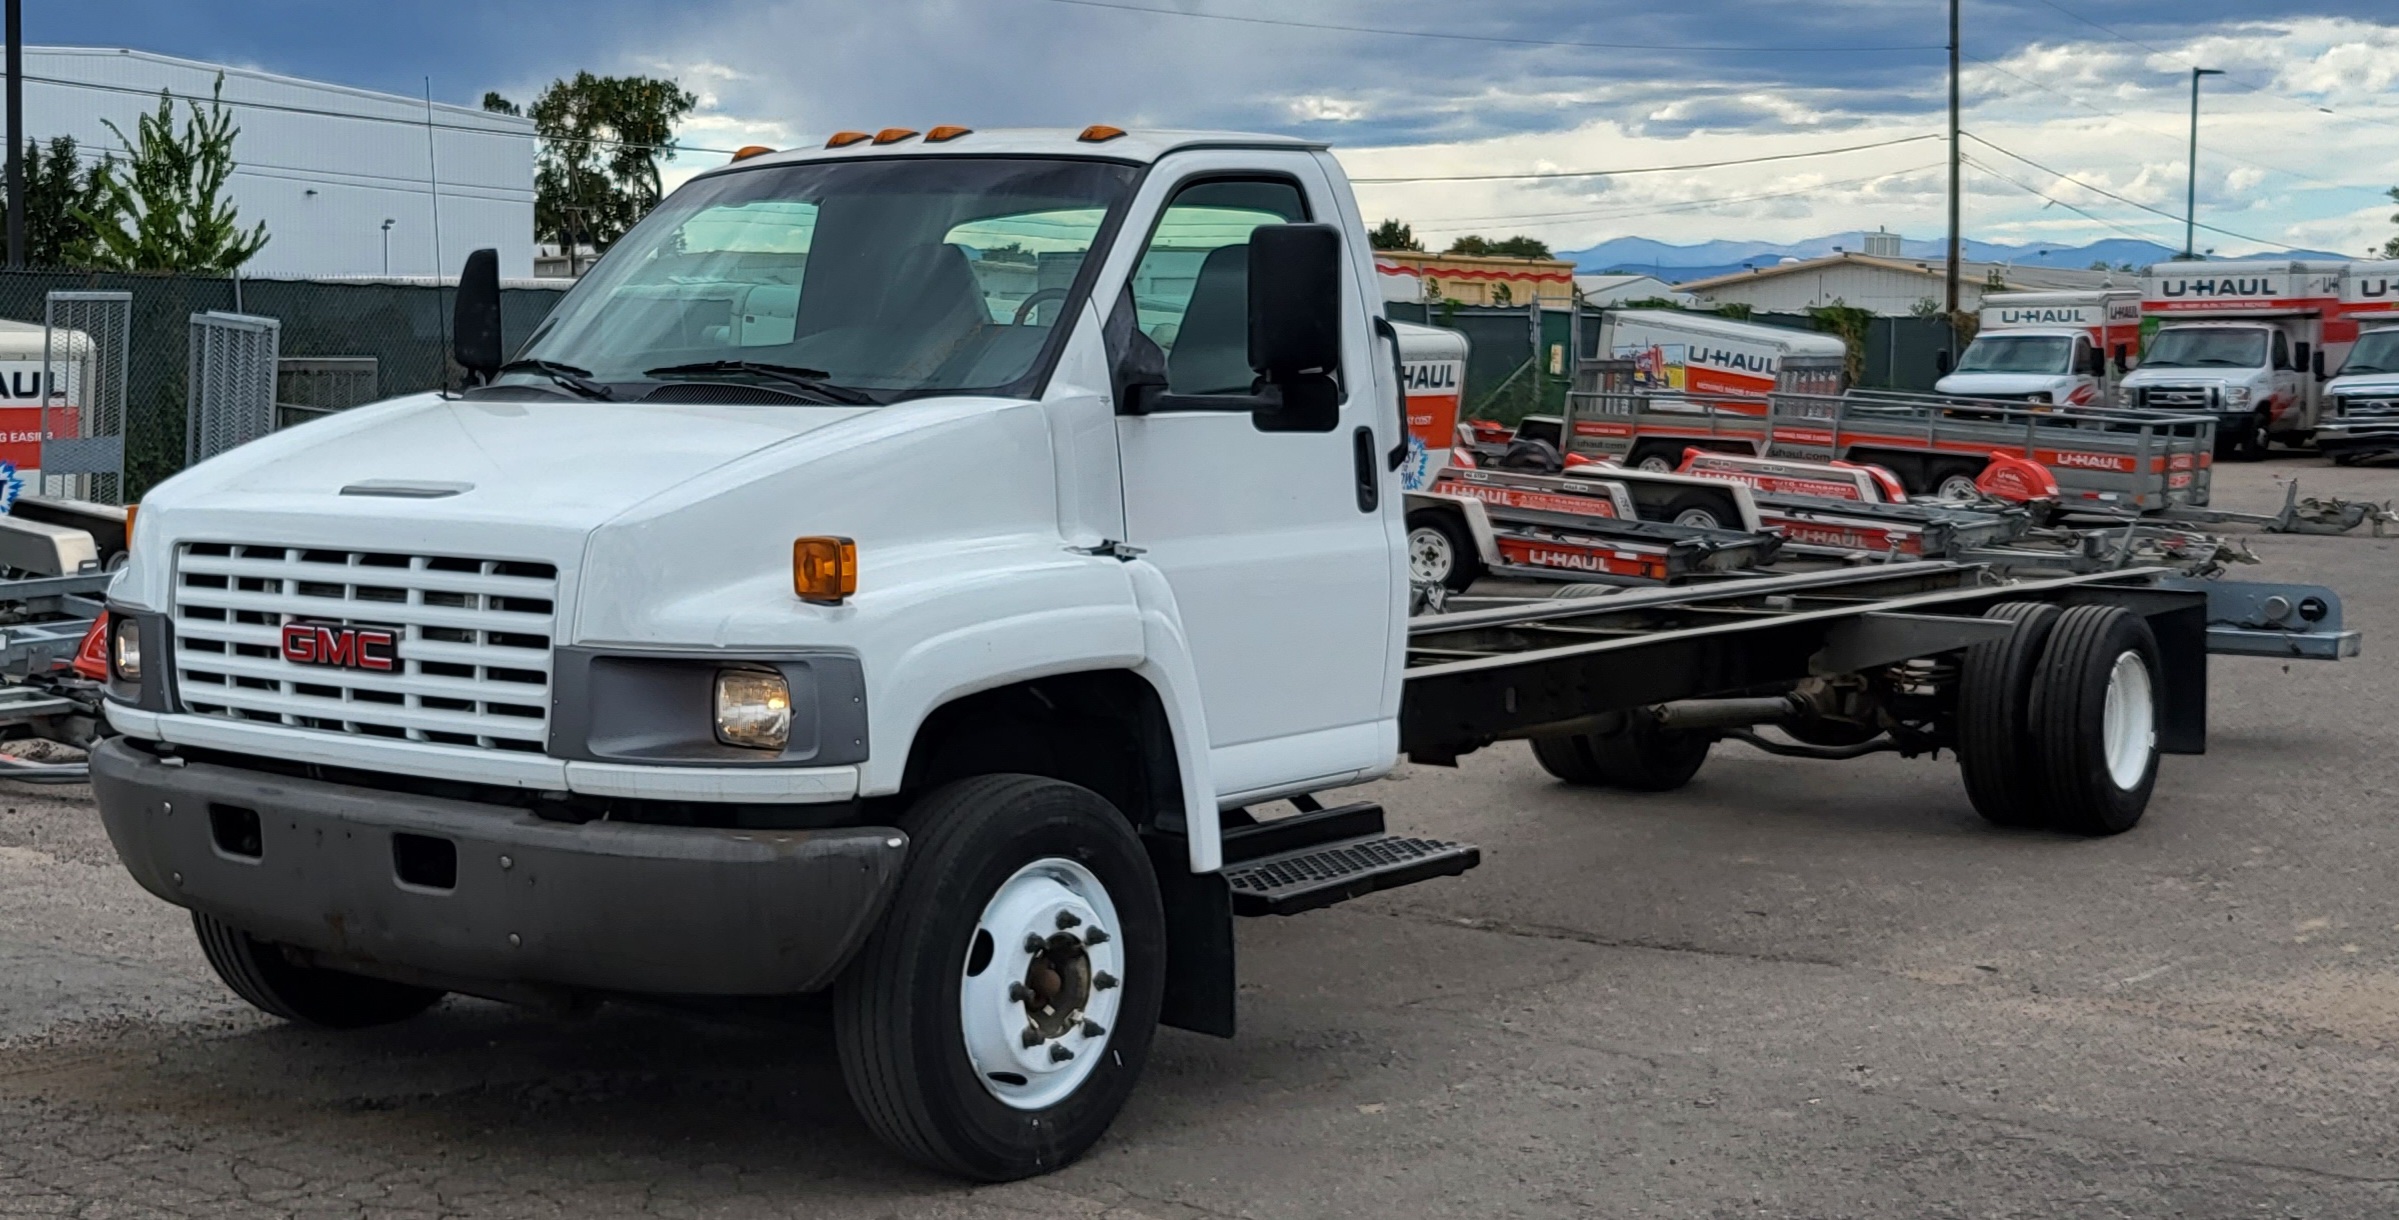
(16,132)
(1956,159)
(2190,214)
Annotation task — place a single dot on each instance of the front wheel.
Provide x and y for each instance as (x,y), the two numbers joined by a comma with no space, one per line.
(276,985)
(998,1019)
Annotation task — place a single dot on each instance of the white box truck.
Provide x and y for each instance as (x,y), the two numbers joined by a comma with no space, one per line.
(1703,355)
(975,656)
(2056,348)
(2245,342)
(2361,402)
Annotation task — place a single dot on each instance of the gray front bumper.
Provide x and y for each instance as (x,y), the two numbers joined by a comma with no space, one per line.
(606,906)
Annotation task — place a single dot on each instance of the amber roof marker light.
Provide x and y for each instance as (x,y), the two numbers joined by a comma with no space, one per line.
(747,151)
(893,135)
(843,139)
(946,133)
(1100,133)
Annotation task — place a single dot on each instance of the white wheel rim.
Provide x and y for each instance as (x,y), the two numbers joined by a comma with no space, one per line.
(1657,465)
(1958,487)
(2128,721)
(1060,903)
(1429,555)
(1698,518)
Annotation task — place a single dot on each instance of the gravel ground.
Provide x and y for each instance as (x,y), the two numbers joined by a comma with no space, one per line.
(1792,990)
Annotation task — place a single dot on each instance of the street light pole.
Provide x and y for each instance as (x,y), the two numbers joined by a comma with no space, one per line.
(387,247)
(2190,221)
(16,132)
(1956,155)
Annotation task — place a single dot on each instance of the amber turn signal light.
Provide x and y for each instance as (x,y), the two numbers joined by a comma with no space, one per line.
(843,139)
(824,570)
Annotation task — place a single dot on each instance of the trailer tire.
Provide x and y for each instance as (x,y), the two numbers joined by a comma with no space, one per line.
(258,972)
(929,1041)
(2094,710)
(1656,457)
(1699,509)
(1954,482)
(1998,755)
(1639,757)
(1441,551)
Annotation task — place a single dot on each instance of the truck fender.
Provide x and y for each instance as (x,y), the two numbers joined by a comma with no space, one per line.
(1166,665)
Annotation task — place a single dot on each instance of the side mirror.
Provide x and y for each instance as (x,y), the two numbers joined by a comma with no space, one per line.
(2319,364)
(2303,355)
(1295,325)
(2123,357)
(475,321)
(1941,362)
(2095,362)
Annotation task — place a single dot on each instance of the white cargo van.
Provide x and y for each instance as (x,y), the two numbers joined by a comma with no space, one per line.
(2246,342)
(2059,348)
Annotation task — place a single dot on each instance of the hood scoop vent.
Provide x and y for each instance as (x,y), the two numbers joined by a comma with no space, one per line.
(406,489)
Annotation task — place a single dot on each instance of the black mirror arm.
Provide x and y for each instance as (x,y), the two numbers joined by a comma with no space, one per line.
(1399,386)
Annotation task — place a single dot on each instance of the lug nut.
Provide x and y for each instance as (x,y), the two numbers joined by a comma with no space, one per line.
(1096,936)
(1034,943)
(1032,1037)
(1018,993)
(1102,981)
(1093,1029)
(1059,1053)
(1067,919)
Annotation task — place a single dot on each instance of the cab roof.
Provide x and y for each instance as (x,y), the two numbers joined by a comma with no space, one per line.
(1138,147)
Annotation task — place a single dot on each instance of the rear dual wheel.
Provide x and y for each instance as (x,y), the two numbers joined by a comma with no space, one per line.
(2057,723)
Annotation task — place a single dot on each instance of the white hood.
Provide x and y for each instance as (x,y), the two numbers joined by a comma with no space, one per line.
(2005,385)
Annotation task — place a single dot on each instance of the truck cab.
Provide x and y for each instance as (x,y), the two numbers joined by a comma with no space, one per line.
(2049,348)
(897,568)
(2361,402)
(2244,342)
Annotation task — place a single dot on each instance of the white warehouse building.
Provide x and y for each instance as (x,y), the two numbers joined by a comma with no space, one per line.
(335,172)
(1893,287)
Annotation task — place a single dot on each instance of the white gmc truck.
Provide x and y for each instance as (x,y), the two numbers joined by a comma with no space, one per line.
(916,569)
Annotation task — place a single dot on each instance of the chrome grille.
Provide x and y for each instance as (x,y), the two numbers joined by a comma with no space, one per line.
(473,642)
(2177,397)
(2358,406)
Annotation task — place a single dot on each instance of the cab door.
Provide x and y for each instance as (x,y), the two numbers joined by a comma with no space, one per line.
(2289,399)
(1280,547)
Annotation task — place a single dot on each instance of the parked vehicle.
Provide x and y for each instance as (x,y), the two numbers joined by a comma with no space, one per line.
(2244,342)
(1433,369)
(1674,352)
(775,624)
(2054,348)
(2361,402)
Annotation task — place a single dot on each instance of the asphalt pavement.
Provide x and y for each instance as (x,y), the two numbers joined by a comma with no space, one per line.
(1794,989)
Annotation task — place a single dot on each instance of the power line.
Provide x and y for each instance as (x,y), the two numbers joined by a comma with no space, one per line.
(1645,169)
(1459,223)
(1491,38)
(2127,121)
(2229,79)
(2100,190)
(2085,214)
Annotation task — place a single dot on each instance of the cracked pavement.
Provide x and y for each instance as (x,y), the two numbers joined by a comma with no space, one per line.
(1793,990)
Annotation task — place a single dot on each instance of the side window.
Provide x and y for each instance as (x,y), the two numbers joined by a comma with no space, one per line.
(2082,356)
(2282,350)
(1191,288)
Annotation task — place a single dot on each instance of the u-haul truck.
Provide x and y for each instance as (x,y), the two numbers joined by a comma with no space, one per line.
(2056,348)
(2246,342)
(1433,375)
(2361,402)
(1700,355)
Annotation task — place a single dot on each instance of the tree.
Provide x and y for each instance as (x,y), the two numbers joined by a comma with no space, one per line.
(2390,248)
(602,138)
(165,209)
(1506,247)
(1393,235)
(56,187)
(1853,325)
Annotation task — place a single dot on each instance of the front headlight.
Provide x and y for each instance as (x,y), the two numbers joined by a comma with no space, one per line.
(125,648)
(2236,396)
(753,709)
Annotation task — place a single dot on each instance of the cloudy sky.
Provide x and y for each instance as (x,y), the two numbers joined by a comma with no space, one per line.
(2077,109)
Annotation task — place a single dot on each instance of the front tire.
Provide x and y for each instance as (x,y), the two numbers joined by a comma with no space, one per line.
(950,1063)
(2095,713)
(258,972)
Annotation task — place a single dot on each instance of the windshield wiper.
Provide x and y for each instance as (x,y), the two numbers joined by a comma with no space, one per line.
(813,381)
(578,380)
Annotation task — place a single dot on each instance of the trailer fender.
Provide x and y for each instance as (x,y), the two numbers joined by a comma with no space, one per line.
(2016,480)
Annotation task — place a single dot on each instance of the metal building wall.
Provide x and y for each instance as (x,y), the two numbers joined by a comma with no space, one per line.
(1880,289)
(323,165)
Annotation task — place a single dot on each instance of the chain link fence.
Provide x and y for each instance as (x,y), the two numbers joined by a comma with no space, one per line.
(397,326)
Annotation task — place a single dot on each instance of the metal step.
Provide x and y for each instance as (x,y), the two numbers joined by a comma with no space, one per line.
(1307,878)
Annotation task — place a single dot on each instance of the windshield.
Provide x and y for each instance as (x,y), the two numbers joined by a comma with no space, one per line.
(878,279)
(2206,347)
(2017,354)
(2377,351)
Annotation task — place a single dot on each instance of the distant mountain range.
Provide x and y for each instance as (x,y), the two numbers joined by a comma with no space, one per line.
(1676,264)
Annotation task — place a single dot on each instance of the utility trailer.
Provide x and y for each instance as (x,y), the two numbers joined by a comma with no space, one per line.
(2115,461)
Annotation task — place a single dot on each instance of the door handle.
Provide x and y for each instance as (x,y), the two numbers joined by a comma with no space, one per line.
(1370,472)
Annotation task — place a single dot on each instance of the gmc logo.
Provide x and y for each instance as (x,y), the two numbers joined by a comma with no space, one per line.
(341,647)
